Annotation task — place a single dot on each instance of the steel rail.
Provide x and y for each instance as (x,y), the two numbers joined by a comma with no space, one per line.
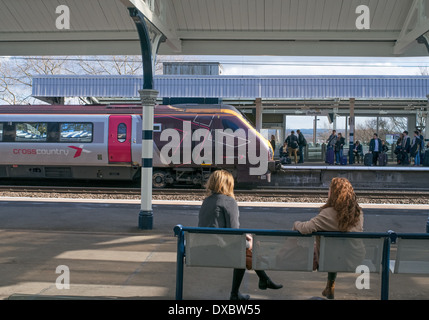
(263,193)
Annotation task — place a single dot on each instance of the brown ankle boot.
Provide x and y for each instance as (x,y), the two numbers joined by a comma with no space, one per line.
(329,291)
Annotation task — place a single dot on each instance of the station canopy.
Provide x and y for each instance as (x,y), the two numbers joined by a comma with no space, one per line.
(218,27)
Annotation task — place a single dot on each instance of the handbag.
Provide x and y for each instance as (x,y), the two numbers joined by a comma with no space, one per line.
(248,259)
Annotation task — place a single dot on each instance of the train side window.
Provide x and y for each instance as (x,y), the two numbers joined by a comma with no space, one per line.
(8,132)
(31,132)
(157,127)
(1,132)
(53,132)
(73,132)
(122,132)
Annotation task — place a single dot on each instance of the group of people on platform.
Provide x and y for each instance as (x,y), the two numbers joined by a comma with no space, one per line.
(408,150)
(377,147)
(411,147)
(293,146)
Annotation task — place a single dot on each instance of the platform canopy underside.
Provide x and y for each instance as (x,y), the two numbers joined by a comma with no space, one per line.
(218,27)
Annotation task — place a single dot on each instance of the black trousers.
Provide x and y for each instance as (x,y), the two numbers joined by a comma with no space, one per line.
(238,275)
(357,156)
(375,156)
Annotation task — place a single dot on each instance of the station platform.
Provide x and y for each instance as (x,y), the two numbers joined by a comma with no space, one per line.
(110,258)
(319,175)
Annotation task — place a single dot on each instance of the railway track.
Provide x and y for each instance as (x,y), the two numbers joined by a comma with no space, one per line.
(256,193)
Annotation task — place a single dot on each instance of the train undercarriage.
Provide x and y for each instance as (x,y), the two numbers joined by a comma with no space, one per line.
(162,177)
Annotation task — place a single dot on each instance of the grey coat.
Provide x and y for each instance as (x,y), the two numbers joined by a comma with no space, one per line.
(219,211)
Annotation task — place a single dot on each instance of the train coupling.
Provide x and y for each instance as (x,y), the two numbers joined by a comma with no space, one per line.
(274,166)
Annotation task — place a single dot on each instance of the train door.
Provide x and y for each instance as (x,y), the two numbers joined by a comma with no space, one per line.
(119,147)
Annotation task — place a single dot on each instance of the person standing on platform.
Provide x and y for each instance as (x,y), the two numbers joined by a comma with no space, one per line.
(302,143)
(422,146)
(398,149)
(339,148)
(415,148)
(292,142)
(375,147)
(332,140)
(220,210)
(405,150)
(273,142)
(341,213)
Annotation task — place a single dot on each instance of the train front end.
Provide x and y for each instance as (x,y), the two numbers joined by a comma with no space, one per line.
(260,162)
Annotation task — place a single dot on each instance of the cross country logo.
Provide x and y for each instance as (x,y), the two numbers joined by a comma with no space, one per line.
(79,151)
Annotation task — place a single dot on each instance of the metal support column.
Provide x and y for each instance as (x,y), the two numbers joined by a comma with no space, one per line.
(412,123)
(259,112)
(385,265)
(335,118)
(178,232)
(148,99)
(427,127)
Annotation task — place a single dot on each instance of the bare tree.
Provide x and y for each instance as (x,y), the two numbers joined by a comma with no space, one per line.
(390,125)
(16,76)
(399,124)
(112,65)
(423,71)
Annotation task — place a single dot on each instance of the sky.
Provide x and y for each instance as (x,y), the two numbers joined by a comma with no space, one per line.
(269,65)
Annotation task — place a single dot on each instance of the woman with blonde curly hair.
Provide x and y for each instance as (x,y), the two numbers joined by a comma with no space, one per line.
(341,213)
(220,210)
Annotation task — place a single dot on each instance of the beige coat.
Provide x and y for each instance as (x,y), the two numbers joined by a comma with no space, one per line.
(325,221)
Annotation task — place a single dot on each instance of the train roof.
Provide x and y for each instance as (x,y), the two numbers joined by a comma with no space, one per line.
(112,109)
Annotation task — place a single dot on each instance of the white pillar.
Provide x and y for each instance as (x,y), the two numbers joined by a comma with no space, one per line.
(336,110)
(148,99)
(412,123)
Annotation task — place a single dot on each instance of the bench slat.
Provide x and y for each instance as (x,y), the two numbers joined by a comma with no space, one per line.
(215,250)
(283,253)
(412,256)
(346,254)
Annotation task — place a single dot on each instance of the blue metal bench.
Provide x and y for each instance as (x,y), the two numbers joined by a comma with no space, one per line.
(412,256)
(283,251)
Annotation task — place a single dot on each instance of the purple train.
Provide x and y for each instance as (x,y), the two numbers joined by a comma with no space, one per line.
(103,142)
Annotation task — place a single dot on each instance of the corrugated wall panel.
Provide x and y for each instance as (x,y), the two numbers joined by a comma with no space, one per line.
(236,87)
